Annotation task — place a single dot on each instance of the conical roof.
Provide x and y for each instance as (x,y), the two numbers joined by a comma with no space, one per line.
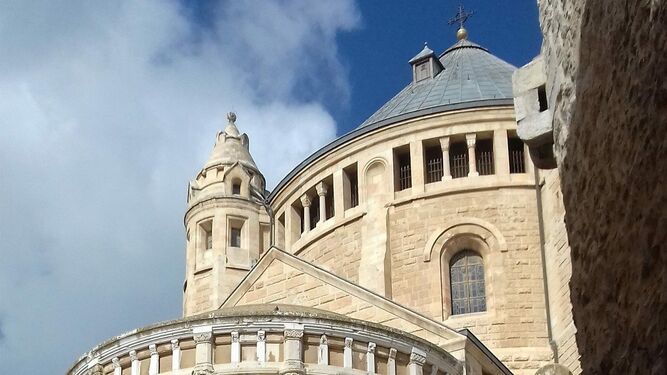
(470,74)
(230,147)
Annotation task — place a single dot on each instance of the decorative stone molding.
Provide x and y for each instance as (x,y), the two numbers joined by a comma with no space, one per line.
(418,357)
(293,334)
(466,225)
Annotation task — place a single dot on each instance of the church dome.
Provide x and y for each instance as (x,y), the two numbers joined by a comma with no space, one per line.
(468,76)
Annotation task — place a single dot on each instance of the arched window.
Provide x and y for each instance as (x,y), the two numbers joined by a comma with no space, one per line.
(466,273)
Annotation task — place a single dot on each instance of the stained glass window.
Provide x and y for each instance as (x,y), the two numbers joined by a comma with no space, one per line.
(466,272)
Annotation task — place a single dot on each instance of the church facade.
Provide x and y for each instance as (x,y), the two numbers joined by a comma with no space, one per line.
(425,241)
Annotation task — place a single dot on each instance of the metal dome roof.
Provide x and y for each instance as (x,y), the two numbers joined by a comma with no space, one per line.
(470,73)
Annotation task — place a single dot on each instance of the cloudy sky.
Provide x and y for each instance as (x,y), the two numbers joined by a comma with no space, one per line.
(108,108)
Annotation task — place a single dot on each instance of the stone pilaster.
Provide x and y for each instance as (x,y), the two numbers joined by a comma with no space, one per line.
(417,362)
(154,365)
(472,158)
(370,358)
(115,363)
(293,364)
(135,368)
(391,362)
(323,353)
(236,348)
(444,146)
(347,353)
(261,346)
(203,337)
(501,158)
(175,355)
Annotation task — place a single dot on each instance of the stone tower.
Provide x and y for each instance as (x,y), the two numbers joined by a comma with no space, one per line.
(227,227)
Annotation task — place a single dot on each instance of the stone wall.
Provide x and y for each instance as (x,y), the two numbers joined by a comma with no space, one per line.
(344,242)
(514,325)
(558,270)
(605,63)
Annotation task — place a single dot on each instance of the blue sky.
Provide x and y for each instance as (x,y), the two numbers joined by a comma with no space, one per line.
(109,108)
(391,32)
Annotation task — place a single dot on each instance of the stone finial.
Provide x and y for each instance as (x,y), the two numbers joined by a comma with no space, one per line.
(231,117)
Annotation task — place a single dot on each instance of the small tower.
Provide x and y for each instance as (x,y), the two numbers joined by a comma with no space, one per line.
(227,227)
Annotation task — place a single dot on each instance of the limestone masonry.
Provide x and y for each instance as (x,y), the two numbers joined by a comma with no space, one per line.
(426,241)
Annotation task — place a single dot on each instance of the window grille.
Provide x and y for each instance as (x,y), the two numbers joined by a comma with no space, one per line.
(484,156)
(235,237)
(404,172)
(466,272)
(209,240)
(354,191)
(434,169)
(458,159)
(517,159)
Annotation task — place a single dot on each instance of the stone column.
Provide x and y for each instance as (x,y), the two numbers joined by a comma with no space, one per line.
(417,361)
(261,346)
(154,365)
(444,146)
(322,190)
(472,159)
(175,355)
(370,358)
(347,353)
(323,353)
(236,348)
(117,370)
(305,201)
(391,362)
(501,154)
(135,368)
(293,361)
(203,337)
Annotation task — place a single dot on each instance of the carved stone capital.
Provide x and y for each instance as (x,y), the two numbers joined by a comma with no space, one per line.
(470,139)
(153,349)
(444,144)
(324,340)
(133,355)
(261,336)
(417,357)
(321,189)
(235,336)
(348,342)
(392,353)
(96,370)
(203,369)
(293,333)
(305,200)
(202,337)
(371,347)
(174,345)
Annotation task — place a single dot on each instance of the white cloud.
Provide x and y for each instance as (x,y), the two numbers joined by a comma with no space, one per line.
(107,108)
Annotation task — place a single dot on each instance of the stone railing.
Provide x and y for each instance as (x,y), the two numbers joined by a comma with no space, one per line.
(267,340)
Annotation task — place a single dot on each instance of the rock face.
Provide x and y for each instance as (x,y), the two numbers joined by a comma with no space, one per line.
(605,63)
